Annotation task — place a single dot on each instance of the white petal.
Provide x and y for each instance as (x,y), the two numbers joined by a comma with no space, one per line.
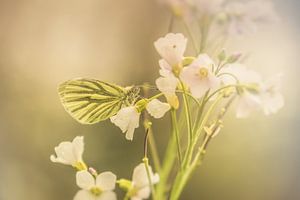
(107,195)
(106,181)
(65,154)
(85,180)
(199,86)
(127,119)
(78,147)
(84,195)
(241,72)
(271,103)
(246,104)
(164,65)
(171,47)
(140,178)
(157,109)
(144,193)
(167,85)
(203,60)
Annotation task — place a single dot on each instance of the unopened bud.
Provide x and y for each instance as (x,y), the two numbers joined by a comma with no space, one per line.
(234,57)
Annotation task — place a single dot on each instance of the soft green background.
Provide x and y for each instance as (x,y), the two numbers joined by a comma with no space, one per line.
(43,43)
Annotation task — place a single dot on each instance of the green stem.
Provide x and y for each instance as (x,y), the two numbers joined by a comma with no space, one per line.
(166,169)
(176,132)
(146,162)
(153,151)
(188,121)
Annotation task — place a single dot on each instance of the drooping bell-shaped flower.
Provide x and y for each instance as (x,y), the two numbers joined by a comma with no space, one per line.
(157,109)
(127,119)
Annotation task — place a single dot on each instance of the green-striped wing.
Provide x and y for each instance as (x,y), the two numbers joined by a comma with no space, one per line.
(90,101)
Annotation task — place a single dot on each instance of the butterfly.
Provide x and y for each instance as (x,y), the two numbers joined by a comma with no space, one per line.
(90,101)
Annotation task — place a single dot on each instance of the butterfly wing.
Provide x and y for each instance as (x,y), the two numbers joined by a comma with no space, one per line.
(90,101)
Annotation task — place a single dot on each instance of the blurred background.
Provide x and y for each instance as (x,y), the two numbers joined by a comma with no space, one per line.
(43,43)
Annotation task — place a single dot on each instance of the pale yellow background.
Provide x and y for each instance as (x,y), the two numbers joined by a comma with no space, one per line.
(43,43)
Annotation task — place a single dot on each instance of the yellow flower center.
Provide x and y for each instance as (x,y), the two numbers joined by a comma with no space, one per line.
(203,73)
(96,191)
(176,69)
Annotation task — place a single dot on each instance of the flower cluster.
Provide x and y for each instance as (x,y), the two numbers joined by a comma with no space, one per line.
(94,186)
(200,87)
(203,76)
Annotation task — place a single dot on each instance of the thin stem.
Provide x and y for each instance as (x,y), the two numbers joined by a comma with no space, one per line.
(188,122)
(146,162)
(176,132)
(148,129)
(164,173)
(200,112)
(153,150)
(146,143)
(226,87)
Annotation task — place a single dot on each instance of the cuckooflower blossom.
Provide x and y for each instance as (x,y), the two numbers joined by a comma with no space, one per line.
(199,76)
(248,99)
(157,109)
(140,187)
(127,119)
(171,48)
(70,153)
(271,98)
(100,188)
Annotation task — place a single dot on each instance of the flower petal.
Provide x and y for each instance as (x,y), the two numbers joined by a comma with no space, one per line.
(107,195)
(84,195)
(157,109)
(140,178)
(171,47)
(85,180)
(78,147)
(65,154)
(246,104)
(167,85)
(127,119)
(106,181)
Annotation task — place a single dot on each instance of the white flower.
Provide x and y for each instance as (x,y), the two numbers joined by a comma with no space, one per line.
(100,188)
(247,103)
(272,99)
(167,85)
(157,109)
(240,72)
(171,48)
(127,119)
(199,76)
(244,17)
(140,188)
(70,153)
(248,99)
